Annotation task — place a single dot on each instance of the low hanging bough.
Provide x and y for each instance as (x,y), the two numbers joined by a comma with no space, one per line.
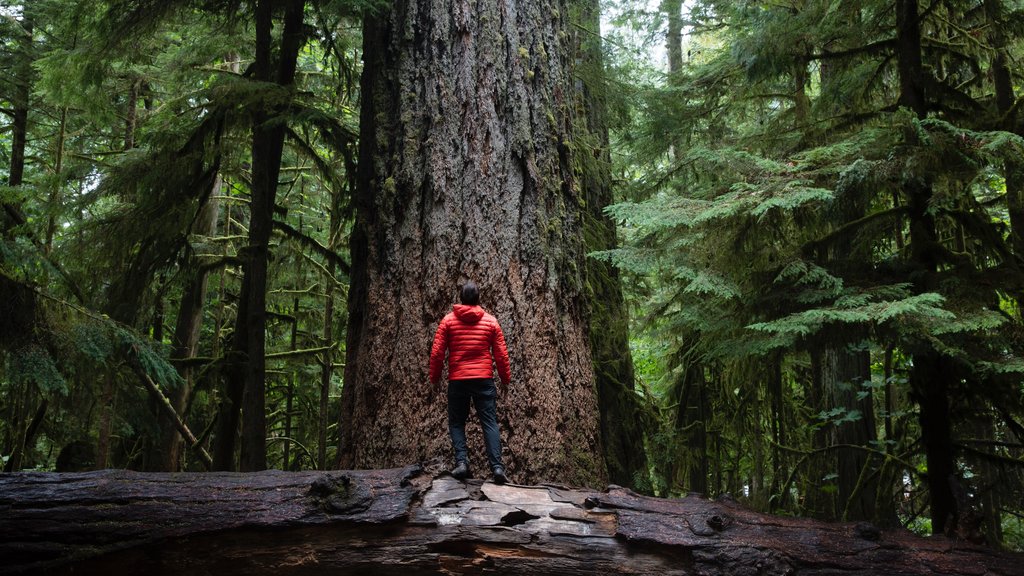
(409,521)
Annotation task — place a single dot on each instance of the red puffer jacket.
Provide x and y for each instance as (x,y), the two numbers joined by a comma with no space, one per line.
(470,336)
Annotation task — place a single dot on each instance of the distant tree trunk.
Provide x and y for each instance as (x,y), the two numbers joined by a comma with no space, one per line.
(247,377)
(622,418)
(691,468)
(1002,79)
(131,112)
(467,171)
(931,375)
(56,193)
(21,101)
(186,335)
(908,54)
(106,422)
(930,381)
(673,10)
(691,427)
(777,423)
(843,367)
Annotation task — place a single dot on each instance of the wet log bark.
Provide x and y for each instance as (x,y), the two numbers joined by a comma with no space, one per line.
(408,521)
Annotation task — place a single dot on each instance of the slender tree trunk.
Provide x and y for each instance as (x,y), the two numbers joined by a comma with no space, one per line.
(466,172)
(326,370)
(622,419)
(778,429)
(673,10)
(21,102)
(908,52)
(931,375)
(819,502)
(187,329)
(247,378)
(106,420)
(691,424)
(693,411)
(17,412)
(1002,78)
(56,193)
(929,379)
(844,367)
(131,113)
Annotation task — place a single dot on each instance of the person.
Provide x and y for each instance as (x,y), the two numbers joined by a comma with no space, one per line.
(471,338)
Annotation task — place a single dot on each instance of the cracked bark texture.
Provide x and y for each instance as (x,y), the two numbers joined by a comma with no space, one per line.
(409,522)
(467,172)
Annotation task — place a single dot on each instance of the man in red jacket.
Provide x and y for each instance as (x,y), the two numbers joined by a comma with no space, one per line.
(471,338)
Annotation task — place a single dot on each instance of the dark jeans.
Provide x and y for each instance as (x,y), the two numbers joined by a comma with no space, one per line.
(484,396)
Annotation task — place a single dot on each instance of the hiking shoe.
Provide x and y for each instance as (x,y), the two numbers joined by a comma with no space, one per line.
(499,475)
(461,471)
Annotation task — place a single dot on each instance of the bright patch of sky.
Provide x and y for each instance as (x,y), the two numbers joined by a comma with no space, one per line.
(10,10)
(640,28)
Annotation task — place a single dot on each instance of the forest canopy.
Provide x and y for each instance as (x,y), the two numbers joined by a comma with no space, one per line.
(771,250)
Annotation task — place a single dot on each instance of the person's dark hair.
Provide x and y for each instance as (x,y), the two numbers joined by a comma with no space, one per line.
(470,294)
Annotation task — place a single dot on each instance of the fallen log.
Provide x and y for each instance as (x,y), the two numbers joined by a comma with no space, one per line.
(408,522)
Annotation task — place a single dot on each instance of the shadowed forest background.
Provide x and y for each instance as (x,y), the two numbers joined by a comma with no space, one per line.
(767,249)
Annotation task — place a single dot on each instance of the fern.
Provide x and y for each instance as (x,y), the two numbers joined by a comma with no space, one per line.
(32,364)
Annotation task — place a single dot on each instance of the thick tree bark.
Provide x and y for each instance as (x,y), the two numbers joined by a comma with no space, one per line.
(466,172)
(407,522)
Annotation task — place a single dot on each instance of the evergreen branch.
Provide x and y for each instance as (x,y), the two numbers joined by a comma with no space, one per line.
(1012,424)
(294,353)
(950,93)
(328,274)
(20,220)
(209,360)
(990,456)
(312,243)
(165,406)
(844,230)
(221,263)
(873,48)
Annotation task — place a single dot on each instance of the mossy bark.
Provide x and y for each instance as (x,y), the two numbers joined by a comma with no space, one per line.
(622,418)
(467,172)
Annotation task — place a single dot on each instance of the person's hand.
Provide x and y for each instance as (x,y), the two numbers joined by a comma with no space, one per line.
(502,389)
(437,387)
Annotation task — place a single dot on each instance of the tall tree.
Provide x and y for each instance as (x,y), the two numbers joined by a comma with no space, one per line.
(622,418)
(247,375)
(467,172)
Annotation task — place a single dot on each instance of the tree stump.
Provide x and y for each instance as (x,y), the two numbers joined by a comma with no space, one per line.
(407,522)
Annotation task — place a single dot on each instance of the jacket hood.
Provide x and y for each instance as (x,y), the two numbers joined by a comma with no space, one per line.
(468,314)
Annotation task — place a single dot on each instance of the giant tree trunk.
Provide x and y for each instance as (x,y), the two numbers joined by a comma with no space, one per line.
(466,172)
(405,522)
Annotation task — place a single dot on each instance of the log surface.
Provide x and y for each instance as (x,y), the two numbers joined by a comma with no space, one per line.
(407,521)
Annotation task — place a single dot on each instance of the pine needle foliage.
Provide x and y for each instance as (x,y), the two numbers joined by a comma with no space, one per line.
(770,210)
